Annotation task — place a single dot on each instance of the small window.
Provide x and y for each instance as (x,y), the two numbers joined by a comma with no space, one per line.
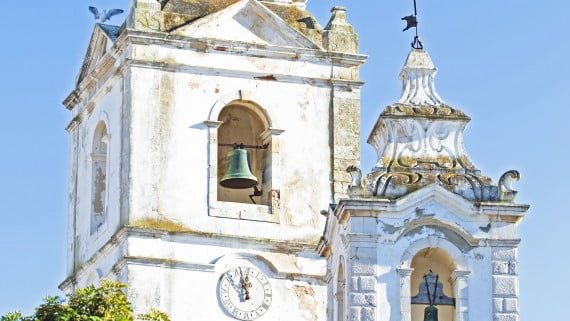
(241,124)
(99,158)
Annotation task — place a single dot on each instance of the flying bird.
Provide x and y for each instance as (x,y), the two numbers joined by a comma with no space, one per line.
(105,15)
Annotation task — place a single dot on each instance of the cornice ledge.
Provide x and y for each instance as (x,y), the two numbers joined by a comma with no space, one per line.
(232,72)
(503,243)
(363,238)
(291,245)
(502,209)
(217,45)
(107,62)
(169,263)
(116,240)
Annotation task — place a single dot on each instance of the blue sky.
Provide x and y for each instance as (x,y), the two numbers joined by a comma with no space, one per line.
(505,63)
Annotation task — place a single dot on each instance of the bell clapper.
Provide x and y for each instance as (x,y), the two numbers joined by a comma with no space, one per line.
(256,193)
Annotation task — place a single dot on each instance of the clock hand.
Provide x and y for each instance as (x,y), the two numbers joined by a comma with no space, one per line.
(246,286)
(233,283)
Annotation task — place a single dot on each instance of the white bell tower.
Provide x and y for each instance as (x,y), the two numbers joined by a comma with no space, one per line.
(424,214)
(158,104)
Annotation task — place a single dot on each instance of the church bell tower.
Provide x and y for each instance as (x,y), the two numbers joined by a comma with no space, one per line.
(425,236)
(206,139)
(215,169)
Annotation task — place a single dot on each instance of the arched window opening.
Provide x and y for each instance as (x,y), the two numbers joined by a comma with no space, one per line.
(440,263)
(242,124)
(340,293)
(99,158)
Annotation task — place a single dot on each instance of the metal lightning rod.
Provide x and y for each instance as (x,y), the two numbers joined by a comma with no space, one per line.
(412,22)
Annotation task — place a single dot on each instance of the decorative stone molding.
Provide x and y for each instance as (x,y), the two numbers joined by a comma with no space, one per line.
(418,86)
(419,141)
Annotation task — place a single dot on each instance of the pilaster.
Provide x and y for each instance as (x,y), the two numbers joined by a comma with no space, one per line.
(460,287)
(362,297)
(345,142)
(505,284)
(405,294)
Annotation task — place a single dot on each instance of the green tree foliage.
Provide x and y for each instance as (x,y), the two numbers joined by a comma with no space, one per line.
(104,303)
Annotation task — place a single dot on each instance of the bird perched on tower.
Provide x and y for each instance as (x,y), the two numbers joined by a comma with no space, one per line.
(105,14)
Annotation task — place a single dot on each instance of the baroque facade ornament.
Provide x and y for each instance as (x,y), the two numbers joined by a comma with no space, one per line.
(419,141)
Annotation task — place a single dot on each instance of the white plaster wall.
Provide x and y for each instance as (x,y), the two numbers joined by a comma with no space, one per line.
(186,287)
(170,145)
(107,106)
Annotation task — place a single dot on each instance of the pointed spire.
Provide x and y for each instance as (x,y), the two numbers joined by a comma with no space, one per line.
(338,21)
(339,34)
(418,85)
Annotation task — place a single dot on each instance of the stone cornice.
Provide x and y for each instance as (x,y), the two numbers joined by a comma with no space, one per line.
(109,62)
(122,235)
(243,74)
(292,246)
(116,240)
(244,48)
(365,207)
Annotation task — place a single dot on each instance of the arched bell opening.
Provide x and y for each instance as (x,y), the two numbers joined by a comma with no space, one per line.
(242,146)
(432,285)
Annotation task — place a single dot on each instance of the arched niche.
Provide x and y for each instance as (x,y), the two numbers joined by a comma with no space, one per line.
(99,162)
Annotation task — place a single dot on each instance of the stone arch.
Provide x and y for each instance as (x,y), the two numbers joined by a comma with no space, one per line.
(94,278)
(439,223)
(434,242)
(223,263)
(458,276)
(242,97)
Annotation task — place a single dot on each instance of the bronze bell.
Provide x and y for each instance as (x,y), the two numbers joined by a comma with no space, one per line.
(430,313)
(238,174)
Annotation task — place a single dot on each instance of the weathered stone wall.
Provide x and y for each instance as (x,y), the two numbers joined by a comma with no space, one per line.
(346,138)
(505,284)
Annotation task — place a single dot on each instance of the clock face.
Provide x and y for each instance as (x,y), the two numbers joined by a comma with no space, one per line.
(245,293)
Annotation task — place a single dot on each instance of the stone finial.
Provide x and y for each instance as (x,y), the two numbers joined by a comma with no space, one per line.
(338,21)
(339,34)
(418,85)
